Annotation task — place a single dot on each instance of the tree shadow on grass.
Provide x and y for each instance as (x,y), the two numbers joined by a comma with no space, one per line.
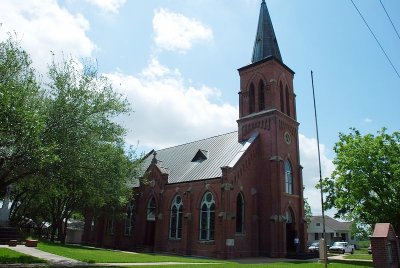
(20,259)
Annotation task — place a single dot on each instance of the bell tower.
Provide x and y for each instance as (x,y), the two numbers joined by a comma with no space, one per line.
(267,107)
(266,84)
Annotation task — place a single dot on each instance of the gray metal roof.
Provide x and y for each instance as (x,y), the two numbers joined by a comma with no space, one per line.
(182,162)
(265,44)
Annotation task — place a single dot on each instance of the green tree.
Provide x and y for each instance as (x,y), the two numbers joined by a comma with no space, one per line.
(307,210)
(360,231)
(22,117)
(365,184)
(94,168)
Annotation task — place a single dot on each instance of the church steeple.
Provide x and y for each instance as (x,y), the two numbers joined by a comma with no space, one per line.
(265,44)
(266,85)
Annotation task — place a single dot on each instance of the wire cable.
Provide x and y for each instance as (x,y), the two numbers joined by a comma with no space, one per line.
(387,14)
(376,39)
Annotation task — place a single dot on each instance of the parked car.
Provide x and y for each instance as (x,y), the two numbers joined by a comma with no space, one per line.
(341,248)
(314,247)
(369,249)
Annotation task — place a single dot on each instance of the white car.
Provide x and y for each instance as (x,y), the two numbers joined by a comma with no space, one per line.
(314,247)
(341,248)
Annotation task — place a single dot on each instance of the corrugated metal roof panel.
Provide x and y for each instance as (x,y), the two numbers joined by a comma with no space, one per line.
(243,150)
(221,150)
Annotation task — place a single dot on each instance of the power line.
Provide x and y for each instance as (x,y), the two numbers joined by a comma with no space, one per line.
(376,39)
(387,14)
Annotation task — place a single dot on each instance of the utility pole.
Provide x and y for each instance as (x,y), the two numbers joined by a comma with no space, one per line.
(320,176)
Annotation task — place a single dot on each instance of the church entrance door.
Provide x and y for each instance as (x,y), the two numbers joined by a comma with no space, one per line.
(150,223)
(150,233)
(290,232)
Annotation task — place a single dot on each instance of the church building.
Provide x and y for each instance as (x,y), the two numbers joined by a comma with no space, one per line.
(238,194)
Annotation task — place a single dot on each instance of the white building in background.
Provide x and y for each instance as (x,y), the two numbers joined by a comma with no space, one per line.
(335,230)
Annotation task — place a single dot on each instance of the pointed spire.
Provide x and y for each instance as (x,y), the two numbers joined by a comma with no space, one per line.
(265,44)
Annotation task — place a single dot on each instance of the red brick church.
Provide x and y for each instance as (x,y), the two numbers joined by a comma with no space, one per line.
(234,195)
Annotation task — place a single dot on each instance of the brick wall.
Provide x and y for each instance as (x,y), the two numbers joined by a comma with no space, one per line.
(385,246)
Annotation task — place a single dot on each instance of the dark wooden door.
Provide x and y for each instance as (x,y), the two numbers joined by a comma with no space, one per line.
(290,235)
(150,233)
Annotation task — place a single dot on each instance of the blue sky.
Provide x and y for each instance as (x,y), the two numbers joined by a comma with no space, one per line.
(176,61)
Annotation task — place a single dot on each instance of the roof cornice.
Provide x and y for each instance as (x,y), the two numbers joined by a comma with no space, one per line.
(270,58)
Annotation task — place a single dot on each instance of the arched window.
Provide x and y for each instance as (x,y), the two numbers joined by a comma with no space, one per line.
(151,209)
(281,97)
(287,101)
(175,223)
(261,97)
(239,213)
(207,217)
(129,219)
(288,178)
(288,216)
(252,99)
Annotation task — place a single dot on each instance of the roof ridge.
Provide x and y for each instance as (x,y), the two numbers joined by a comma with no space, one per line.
(183,144)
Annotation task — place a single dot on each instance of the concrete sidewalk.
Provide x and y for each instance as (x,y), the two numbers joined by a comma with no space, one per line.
(52,259)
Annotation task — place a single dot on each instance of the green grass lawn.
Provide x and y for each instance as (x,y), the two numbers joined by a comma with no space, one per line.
(359,256)
(11,256)
(364,243)
(92,255)
(361,251)
(273,265)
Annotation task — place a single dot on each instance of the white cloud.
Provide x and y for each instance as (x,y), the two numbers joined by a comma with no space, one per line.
(44,27)
(111,6)
(175,32)
(309,160)
(169,110)
(367,120)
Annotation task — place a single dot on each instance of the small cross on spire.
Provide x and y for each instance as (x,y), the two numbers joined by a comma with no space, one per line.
(154,160)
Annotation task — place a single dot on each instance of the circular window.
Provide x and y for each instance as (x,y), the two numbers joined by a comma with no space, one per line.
(287,137)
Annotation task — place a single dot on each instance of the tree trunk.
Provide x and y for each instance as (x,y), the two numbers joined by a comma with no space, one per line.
(60,233)
(53,232)
(64,230)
